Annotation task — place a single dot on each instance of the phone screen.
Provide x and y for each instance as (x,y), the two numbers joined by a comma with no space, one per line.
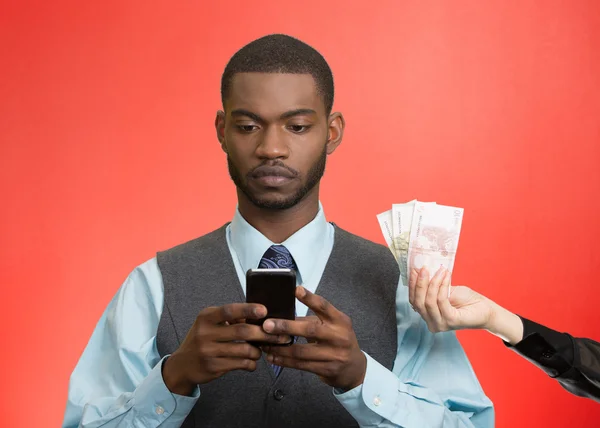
(274,288)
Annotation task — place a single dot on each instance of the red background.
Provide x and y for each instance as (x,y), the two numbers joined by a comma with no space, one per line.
(108,154)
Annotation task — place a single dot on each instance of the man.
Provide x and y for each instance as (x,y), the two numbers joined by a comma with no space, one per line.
(171,348)
(574,362)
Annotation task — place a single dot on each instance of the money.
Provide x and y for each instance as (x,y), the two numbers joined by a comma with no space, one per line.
(402,215)
(385,223)
(434,237)
(422,234)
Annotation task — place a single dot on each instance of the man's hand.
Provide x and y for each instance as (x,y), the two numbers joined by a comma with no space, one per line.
(217,344)
(464,309)
(332,352)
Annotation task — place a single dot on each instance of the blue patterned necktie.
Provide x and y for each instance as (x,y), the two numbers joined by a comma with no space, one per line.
(277,257)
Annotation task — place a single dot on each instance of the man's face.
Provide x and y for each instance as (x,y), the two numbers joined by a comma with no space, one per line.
(277,136)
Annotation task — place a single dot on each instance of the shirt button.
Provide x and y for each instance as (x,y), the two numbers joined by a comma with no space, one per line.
(159,410)
(377,400)
(278,394)
(546,354)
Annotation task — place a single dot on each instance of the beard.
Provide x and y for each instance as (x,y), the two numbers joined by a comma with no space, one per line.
(313,177)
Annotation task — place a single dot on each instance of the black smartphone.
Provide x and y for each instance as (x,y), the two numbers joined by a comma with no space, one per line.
(274,288)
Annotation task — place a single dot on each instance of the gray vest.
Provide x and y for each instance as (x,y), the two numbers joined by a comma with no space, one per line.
(360,279)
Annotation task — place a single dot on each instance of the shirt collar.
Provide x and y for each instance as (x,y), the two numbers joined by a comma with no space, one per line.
(250,245)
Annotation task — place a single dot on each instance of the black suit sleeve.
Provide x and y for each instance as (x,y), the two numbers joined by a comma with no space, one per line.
(572,361)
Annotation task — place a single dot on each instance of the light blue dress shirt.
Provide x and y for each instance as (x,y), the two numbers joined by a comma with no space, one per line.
(118,382)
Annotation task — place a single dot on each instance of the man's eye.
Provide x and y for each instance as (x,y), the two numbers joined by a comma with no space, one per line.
(299,129)
(247,128)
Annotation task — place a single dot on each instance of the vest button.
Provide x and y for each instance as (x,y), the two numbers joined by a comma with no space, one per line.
(278,394)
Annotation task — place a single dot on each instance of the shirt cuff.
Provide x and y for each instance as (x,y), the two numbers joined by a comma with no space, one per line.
(376,392)
(154,402)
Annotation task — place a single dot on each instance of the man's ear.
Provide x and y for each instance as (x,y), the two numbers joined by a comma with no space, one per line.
(220,128)
(335,132)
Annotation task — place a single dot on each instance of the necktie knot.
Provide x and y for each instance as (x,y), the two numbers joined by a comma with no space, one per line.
(277,257)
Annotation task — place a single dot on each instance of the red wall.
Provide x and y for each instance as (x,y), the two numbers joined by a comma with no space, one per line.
(108,154)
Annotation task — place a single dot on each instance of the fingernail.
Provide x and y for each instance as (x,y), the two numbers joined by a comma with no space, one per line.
(260,311)
(268,325)
(301,291)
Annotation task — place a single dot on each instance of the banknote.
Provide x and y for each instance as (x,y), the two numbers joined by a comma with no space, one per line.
(385,223)
(434,235)
(402,215)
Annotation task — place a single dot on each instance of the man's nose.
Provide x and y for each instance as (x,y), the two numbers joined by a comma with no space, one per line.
(272,144)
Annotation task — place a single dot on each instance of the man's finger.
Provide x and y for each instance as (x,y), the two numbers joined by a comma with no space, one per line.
(224,365)
(247,333)
(320,306)
(320,368)
(309,352)
(236,350)
(310,328)
(235,311)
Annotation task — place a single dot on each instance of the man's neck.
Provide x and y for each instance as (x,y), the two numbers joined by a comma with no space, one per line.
(279,225)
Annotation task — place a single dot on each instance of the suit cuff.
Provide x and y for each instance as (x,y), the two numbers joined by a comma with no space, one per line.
(155,403)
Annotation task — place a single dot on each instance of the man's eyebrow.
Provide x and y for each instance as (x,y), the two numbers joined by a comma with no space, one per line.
(286,115)
(242,112)
(297,112)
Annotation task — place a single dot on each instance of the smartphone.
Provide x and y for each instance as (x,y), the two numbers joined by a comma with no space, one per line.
(274,288)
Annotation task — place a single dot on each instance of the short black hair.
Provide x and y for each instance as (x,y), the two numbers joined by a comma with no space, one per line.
(279,53)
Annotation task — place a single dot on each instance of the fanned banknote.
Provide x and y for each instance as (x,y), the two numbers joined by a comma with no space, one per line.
(385,223)
(434,237)
(402,215)
(422,234)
